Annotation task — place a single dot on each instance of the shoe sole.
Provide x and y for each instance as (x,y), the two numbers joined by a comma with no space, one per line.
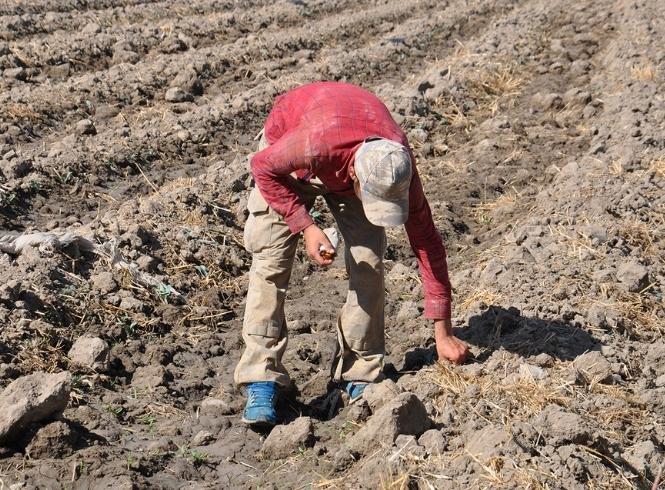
(258,423)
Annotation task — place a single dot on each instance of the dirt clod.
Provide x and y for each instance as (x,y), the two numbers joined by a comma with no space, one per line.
(633,276)
(378,394)
(593,367)
(433,441)
(91,352)
(56,439)
(31,399)
(285,440)
(405,414)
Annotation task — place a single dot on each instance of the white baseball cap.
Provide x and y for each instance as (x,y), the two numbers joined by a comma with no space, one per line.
(383,168)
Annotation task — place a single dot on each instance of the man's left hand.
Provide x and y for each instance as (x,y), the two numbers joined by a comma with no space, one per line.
(447,345)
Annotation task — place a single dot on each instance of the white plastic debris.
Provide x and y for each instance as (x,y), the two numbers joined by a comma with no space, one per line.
(333,236)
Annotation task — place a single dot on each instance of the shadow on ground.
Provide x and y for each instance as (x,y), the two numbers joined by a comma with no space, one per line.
(498,327)
(495,328)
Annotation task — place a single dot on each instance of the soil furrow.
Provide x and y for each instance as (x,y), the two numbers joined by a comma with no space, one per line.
(369,62)
(45,6)
(33,26)
(62,54)
(151,72)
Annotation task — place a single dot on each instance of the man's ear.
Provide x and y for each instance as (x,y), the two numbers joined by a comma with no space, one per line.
(352,173)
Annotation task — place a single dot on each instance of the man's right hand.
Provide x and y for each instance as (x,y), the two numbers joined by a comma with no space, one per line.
(314,239)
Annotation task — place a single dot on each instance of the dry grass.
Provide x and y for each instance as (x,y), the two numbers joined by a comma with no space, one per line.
(449,109)
(20,112)
(658,166)
(644,72)
(502,81)
(643,316)
(449,379)
(502,472)
(529,396)
(482,213)
(639,234)
(616,168)
(517,400)
(489,89)
(41,355)
(578,246)
(484,296)
(390,481)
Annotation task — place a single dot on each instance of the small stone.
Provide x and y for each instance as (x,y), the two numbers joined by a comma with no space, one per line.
(599,147)
(131,304)
(596,233)
(644,457)
(61,71)
(183,135)
(488,442)
(17,73)
(491,271)
(149,377)
(188,80)
(202,438)
(91,352)
(418,134)
(172,44)
(593,367)
(106,111)
(91,28)
(86,126)
(433,442)
(560,426)
(547,101)
(15,168)
(378,394)
(359,411)
(147,263)
(55,440)
(125,56)
(163,444)
(405,414)
(542,360)
(531,373)
(10,155)
(342,459)
(633,276)
(104,282)
(409,444)
(285,440)
(30,399)
(596,316)
(177,95)
(215,406)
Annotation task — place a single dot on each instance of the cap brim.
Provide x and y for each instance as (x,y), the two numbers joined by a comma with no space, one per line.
(381,212)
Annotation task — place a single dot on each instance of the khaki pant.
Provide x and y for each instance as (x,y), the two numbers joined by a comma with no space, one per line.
(361,344)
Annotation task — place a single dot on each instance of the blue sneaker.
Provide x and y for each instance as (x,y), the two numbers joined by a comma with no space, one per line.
(260,407)
(355,389)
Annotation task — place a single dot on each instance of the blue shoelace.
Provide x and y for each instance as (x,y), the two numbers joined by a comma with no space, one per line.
(261,396)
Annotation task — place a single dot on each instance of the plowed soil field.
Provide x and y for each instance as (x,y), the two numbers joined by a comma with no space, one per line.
(539,132)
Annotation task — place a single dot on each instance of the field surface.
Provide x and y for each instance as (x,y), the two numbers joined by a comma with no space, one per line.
(538,128)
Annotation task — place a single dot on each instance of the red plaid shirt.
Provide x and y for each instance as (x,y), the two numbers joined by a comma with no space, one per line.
(314,131)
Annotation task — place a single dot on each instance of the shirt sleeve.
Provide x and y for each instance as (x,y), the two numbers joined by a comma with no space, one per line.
(271,169)
(430,252)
